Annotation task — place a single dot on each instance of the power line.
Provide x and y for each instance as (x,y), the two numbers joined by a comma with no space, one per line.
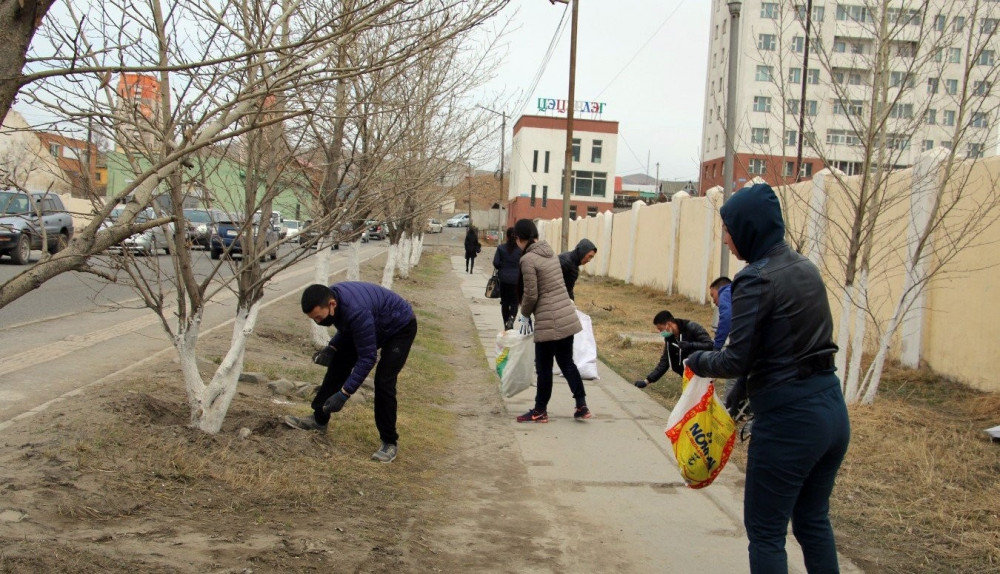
(641,48)
(545,60)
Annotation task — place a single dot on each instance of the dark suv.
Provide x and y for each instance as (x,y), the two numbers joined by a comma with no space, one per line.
(225,238)
(199,225)
(22,217)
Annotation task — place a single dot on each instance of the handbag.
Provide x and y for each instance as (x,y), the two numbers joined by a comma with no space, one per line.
(493,286)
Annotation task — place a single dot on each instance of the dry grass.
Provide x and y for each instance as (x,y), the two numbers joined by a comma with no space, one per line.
(918,489)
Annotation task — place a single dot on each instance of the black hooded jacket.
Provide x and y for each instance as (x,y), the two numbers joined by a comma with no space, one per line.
(570,262)
(782,329)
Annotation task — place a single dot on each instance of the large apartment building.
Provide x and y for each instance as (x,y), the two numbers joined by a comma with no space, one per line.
(931,65)
(537,158)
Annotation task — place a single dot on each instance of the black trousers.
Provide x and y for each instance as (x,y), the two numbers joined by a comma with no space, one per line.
(470,260)
(392,357)
(508,301)
(562,352)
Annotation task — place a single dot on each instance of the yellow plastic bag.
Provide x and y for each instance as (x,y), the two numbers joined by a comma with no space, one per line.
(701,431)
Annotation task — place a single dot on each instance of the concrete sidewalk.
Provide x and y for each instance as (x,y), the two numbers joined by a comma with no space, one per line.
(618,467)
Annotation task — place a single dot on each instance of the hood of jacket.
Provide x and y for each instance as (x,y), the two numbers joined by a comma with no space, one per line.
(540,248)
(582,248)
(753,219)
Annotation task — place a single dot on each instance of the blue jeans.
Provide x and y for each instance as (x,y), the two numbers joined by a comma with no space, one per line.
(794,455)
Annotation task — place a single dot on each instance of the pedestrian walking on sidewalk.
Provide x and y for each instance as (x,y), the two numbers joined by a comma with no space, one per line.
(507,262)
(571,261)
(681,337)
(542,293)
(368,317)
(781,339)
(472,248)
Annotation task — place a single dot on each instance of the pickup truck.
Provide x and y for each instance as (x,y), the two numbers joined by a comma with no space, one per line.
(23,215)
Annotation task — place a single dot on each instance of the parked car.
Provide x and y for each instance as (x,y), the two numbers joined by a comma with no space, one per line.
(199,225)
(376,230)
(22,218)
(434,226)
(225,238)
(460,220)
(146,242)
(291,227)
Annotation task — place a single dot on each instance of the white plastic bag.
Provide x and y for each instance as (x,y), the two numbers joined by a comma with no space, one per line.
(515,361)
(584,350)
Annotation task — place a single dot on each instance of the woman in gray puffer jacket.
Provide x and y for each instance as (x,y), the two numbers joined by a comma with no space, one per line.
(543,294)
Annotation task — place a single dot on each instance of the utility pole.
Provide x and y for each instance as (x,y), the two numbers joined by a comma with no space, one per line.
(503,146)
(802,97)
(658,190)
(571,104)
(727,166)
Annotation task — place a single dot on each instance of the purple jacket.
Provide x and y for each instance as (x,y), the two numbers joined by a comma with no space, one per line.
(366,315)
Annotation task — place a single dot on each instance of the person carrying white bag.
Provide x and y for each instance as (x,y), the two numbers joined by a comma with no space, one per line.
(515,363)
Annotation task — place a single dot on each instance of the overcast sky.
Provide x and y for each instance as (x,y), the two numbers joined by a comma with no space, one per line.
(645,58)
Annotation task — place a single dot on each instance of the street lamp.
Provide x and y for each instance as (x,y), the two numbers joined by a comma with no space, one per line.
(727,166)
(503,146)
(568,169)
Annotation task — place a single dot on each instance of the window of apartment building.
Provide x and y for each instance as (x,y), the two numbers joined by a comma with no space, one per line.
(794,75)
(812,107)
(928,145)
(789,169)
(948,118)
(759,135)
(761,104)
(757,167)
(572,212)
(848,107)
(901,111)
(812,76)
(769,10)
(951,87)
(792,106)
(930,117)
(987,25)
(798,44)
(97,177)
(534,162)
(590,183)
(595,151)
(547,162)
(791,138)
(900,79)
(938,54)
(54,150)
(848,12)
(986,58)
(842,137)
(946,144)
(818,13)
(806,170)
(767,42)
(576,149)
(932,85)
(858,48)
(954,55)
(958,24)
(906,49)
(545,195)
(848,167)
(839,46)
(979,120)
(764,73)
(845,77)
(974,150)
(532,195)
(981,88)
(939,22)
(592,211)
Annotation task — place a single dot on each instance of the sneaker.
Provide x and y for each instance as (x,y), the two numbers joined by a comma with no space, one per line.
(304,423)
(534,416)
(385,454)
(582,412)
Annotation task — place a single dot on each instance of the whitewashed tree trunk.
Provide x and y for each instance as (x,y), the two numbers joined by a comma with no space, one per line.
(817,221)
(417,250)
(858,337)
(320,334)
(354,261)
(390,266)
(210,403)
(403,257)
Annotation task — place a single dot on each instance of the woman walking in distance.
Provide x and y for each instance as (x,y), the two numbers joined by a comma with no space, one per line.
(472,248)
(507,262)
(543,294)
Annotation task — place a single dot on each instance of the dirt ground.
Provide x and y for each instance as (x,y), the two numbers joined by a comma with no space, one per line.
(114,480)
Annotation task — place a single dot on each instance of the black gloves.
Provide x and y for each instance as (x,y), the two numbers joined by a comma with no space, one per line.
(335,403)
(641,384)
(736,399)
(324,356)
